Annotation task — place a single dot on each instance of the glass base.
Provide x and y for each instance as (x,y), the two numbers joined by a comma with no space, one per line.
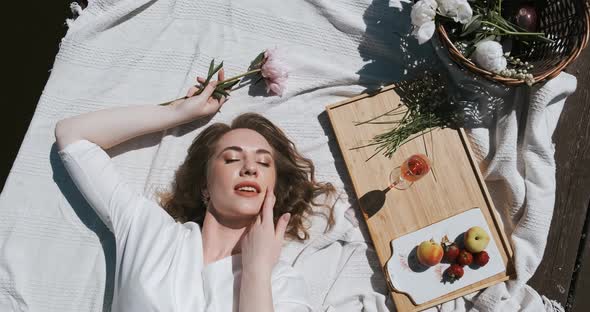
(396,180)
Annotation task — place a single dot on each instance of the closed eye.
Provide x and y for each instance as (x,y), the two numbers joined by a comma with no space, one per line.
(264,164)
(227,161)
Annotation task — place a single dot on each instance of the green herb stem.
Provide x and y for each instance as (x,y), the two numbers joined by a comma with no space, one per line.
(240,76)
(508,32)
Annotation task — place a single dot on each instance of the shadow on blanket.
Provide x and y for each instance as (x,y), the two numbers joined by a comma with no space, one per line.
(89,218)
(393,54)
(153,139)
(377,278)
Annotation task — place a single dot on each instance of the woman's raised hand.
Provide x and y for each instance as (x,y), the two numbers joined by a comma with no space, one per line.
(261,246)
(203,104)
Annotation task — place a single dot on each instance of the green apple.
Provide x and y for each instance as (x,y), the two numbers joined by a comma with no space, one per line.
(429,252)
(476,239)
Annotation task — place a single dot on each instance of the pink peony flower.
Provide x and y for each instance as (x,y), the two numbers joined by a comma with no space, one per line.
(275,71)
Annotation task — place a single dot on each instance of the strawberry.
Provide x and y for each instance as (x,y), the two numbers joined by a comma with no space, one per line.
(465,257)
(451,252)
(481,258)
(455,272)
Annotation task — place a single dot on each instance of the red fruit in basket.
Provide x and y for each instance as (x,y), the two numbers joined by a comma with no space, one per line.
(455,272)
(465,257)
(526,17)
(481,258)
(451,251)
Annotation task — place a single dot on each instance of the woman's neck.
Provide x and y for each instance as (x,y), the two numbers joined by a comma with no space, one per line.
(220,240)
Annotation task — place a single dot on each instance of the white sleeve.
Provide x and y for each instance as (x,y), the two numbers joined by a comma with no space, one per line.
(94,173)
(289,290)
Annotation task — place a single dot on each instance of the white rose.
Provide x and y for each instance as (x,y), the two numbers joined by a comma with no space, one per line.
(489,55)
(448,7)
(397,3)
(424,32)
(459,10)
(423,13)
(464,12)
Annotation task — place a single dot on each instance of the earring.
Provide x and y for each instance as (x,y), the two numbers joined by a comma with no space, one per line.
(205,197)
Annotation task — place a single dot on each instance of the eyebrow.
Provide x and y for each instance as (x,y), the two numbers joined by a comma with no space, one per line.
(239,149)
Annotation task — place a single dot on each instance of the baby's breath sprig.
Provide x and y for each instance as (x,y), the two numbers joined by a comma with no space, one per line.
(518,70)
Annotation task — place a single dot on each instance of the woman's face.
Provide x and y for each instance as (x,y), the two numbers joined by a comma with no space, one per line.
(240,171)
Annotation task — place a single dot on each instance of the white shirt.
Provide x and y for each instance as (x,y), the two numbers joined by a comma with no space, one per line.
(159,265)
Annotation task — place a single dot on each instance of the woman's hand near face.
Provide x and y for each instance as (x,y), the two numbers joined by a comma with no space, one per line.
(262,244)
(261,247)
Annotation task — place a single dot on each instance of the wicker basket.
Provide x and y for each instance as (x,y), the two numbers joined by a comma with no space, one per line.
(566,22)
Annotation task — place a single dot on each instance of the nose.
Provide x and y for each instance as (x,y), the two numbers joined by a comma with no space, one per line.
(249,169)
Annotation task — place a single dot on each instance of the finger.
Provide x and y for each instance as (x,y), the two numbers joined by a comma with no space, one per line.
(201,79)
(268,206)
(222,100)
(282,226)
(192,91)
(208,91)
(221,75)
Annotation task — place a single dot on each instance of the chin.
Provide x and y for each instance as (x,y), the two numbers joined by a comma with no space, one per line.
(251,208)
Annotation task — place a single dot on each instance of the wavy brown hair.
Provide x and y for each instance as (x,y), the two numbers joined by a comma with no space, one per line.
(296,189)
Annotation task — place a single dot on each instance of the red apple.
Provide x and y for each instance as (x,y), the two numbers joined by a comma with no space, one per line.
(429,253)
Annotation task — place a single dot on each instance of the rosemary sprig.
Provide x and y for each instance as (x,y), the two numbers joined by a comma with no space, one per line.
(427,107)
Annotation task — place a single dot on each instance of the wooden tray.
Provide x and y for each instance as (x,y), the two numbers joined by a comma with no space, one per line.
(456,185)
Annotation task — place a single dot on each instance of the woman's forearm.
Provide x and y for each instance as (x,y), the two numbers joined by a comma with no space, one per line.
(255,293)
(110,127)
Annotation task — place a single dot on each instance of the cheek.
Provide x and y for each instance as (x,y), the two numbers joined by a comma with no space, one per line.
(220,177)
(271,179)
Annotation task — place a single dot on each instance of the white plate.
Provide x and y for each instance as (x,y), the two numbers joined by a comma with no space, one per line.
(424,284)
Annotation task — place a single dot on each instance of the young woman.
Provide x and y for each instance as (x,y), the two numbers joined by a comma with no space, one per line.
(215,246)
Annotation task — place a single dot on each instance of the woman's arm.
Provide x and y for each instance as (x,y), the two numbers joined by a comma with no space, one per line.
(110,127)
(256,292)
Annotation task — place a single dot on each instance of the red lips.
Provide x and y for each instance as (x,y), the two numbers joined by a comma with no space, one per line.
(251,184)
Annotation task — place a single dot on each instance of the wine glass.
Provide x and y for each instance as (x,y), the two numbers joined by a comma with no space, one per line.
(410,171)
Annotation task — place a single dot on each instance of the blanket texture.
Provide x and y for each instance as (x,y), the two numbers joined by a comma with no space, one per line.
(56,255)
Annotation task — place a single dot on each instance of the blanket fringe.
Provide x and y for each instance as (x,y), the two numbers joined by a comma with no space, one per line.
(76,11)
(552,305)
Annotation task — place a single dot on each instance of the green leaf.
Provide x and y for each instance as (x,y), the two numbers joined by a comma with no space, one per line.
(471,27)
(257,61)
(218,68)
(228,85)
(473,19)
(489,38)
(222,92)
(211,66)
(213,72)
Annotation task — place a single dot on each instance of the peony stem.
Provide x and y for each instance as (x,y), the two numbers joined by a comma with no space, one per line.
(239,76)
(512,32)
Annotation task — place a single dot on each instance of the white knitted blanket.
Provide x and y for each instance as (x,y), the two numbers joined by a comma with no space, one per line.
(56,255)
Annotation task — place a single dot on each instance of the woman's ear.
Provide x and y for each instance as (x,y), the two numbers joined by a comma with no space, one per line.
(205,197)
